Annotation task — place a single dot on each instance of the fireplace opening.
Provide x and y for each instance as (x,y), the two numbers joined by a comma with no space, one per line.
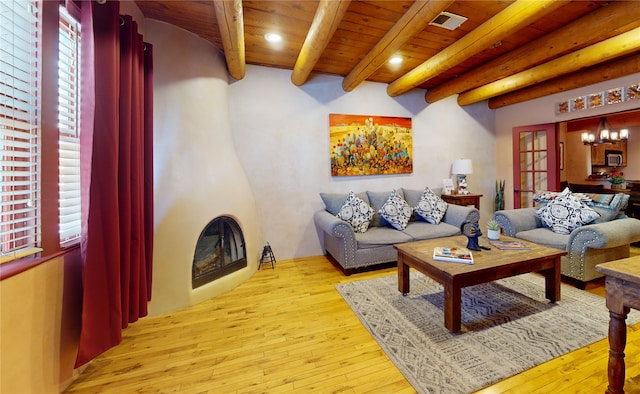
(220,251)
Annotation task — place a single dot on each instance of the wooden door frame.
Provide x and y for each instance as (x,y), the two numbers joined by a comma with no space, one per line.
(553,153)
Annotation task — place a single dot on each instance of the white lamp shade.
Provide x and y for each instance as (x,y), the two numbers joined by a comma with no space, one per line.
(462,166)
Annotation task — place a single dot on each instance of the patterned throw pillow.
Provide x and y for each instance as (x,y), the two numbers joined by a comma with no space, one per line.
(603,200)
(609,206)
(396,211)
(565,213)
(544,196)
(431,207)
(356,212)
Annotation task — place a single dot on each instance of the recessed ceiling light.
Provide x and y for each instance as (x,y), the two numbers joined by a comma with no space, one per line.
(395,60)
(273,37)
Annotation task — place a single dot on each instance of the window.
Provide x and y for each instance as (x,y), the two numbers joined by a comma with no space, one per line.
(39,188)
(69,127)
(19,127)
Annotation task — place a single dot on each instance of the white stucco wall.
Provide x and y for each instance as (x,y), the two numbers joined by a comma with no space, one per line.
(281,134)
(543,110)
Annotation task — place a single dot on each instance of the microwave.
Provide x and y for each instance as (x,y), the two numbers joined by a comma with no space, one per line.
(614,159)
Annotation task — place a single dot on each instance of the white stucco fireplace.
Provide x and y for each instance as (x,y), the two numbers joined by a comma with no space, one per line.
(198,176)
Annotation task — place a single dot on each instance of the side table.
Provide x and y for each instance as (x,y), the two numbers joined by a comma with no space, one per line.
(463,199)
(623,293)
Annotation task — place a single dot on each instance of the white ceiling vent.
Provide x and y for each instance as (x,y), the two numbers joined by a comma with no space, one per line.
(448,20)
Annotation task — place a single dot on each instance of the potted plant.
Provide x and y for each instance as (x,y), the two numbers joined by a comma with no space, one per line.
(617,180)
(493,229)
(499,204)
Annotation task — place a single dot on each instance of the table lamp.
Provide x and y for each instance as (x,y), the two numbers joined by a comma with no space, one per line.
(462,167)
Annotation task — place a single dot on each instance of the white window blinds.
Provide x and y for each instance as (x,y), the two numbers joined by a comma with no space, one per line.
(69,127)
(19,126)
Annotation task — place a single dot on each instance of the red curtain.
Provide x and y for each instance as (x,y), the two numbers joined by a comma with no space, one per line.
(117,174)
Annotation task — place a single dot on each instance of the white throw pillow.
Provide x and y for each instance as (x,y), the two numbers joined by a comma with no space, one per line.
(356,212)
(431,207)
(565,213)
(396,211)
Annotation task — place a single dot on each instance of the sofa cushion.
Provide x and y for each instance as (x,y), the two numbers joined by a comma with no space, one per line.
(381,236)
(334,201)
(608,207)
(356,212)
(377,200)
(412,197)
(544,196)
(396,211)
(565,213)
(419,230)
(597,199)
(431,207)
(544,236)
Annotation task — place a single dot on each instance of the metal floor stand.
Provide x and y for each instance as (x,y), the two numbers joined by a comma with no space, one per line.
(267,256)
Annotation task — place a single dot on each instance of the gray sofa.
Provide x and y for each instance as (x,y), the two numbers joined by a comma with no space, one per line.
(606,239)
(352,250)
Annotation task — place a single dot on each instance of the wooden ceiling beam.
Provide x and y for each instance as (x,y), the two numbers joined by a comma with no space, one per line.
(414,21)
(612,48)
(231,25)
(513,18)
(325,22)
(590,76)
(569,37)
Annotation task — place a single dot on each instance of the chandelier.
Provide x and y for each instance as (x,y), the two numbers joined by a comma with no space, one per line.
(604,134)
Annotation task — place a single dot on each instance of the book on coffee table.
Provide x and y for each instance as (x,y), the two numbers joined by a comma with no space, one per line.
(455,255)
(509,245)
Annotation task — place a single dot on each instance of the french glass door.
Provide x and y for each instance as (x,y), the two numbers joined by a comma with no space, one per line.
(535,162)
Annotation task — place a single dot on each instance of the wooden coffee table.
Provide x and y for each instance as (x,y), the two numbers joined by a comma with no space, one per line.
(489,265)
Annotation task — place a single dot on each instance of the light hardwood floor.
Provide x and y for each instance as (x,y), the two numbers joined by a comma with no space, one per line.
(288,330)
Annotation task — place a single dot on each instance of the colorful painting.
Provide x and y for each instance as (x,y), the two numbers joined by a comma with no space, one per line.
(370,145)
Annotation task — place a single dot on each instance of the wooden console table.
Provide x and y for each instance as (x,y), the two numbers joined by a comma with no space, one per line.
(623,293)
(463,199)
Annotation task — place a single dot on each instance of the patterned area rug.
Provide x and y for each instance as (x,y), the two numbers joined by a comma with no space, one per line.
(508,326)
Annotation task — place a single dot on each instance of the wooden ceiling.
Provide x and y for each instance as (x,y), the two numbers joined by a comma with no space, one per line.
(506,51)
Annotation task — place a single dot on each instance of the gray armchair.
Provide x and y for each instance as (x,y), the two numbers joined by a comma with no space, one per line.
(587,245)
